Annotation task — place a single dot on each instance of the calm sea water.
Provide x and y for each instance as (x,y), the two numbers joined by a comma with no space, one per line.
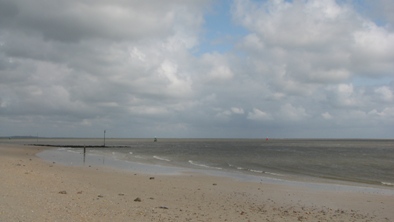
(364,161)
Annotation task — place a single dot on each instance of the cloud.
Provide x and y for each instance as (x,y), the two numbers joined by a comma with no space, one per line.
(380,10)
(344,95)
(97,61)
(385,93)
(217,68)
(314,50)
(259,115)
(69,68)
(315,41)
(326,115)
(237,110)
(290,112)
(73,21)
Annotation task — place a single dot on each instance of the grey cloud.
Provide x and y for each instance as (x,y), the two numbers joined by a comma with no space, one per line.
(73,21)
(8,10)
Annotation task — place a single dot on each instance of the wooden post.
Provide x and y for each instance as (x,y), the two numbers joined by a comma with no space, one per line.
(84,154)
(104,138)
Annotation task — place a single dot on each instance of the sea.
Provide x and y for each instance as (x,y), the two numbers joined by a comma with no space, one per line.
(365,161)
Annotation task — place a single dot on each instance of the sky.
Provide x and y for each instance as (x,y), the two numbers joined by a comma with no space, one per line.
(197,68)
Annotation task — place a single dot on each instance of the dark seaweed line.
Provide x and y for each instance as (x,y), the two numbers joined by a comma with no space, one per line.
(77,146)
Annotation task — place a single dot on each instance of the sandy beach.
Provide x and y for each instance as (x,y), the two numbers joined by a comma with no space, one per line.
(32,189)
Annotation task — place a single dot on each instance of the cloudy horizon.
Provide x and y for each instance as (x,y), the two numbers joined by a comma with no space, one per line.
(197,68)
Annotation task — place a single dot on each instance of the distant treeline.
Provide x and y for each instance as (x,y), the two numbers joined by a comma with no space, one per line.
(20,137)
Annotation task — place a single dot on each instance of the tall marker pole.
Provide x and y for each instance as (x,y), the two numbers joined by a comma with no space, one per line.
(104,137)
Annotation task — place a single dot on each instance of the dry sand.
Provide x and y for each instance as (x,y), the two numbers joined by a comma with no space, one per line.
(35,190)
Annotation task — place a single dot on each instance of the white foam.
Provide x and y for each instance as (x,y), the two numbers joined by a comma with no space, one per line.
(202,165)
(140,157)
(161,158)
(256,171)
(265,172)
(387,183)
(236,167)
(274,174)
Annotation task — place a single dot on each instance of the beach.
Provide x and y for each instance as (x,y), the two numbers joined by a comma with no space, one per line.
(33,189)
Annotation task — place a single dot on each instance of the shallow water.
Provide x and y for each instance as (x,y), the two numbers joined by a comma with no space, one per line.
(361,161)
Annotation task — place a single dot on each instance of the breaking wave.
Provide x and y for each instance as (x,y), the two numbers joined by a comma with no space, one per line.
(161,158)
(387,183)
(203,165)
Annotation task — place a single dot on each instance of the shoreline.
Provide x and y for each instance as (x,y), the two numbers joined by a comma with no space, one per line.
(37,190)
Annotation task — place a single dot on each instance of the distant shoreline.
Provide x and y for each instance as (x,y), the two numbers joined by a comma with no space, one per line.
(191,138)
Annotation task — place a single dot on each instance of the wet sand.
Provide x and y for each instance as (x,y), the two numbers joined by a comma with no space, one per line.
(32,189)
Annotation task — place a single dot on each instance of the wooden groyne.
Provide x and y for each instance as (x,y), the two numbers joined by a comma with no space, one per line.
(77,146)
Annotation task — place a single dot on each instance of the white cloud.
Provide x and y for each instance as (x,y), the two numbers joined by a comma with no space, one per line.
(372,50)
(176,86)
(314,41)
(290,112)
(216,67)
(237,110)
(227,114)
(149,110)
(259,115)
(311,23)
(224,114)
(220,73)
(388,112)
(326,115)
(385,93)
(345,95)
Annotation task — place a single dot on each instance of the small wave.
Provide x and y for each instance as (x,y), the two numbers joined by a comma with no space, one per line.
(256,171)
(236,167)
(387,183)
(161,158)
(131,153)
(274,174)
(202,165)
(139,157)
(265,172)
